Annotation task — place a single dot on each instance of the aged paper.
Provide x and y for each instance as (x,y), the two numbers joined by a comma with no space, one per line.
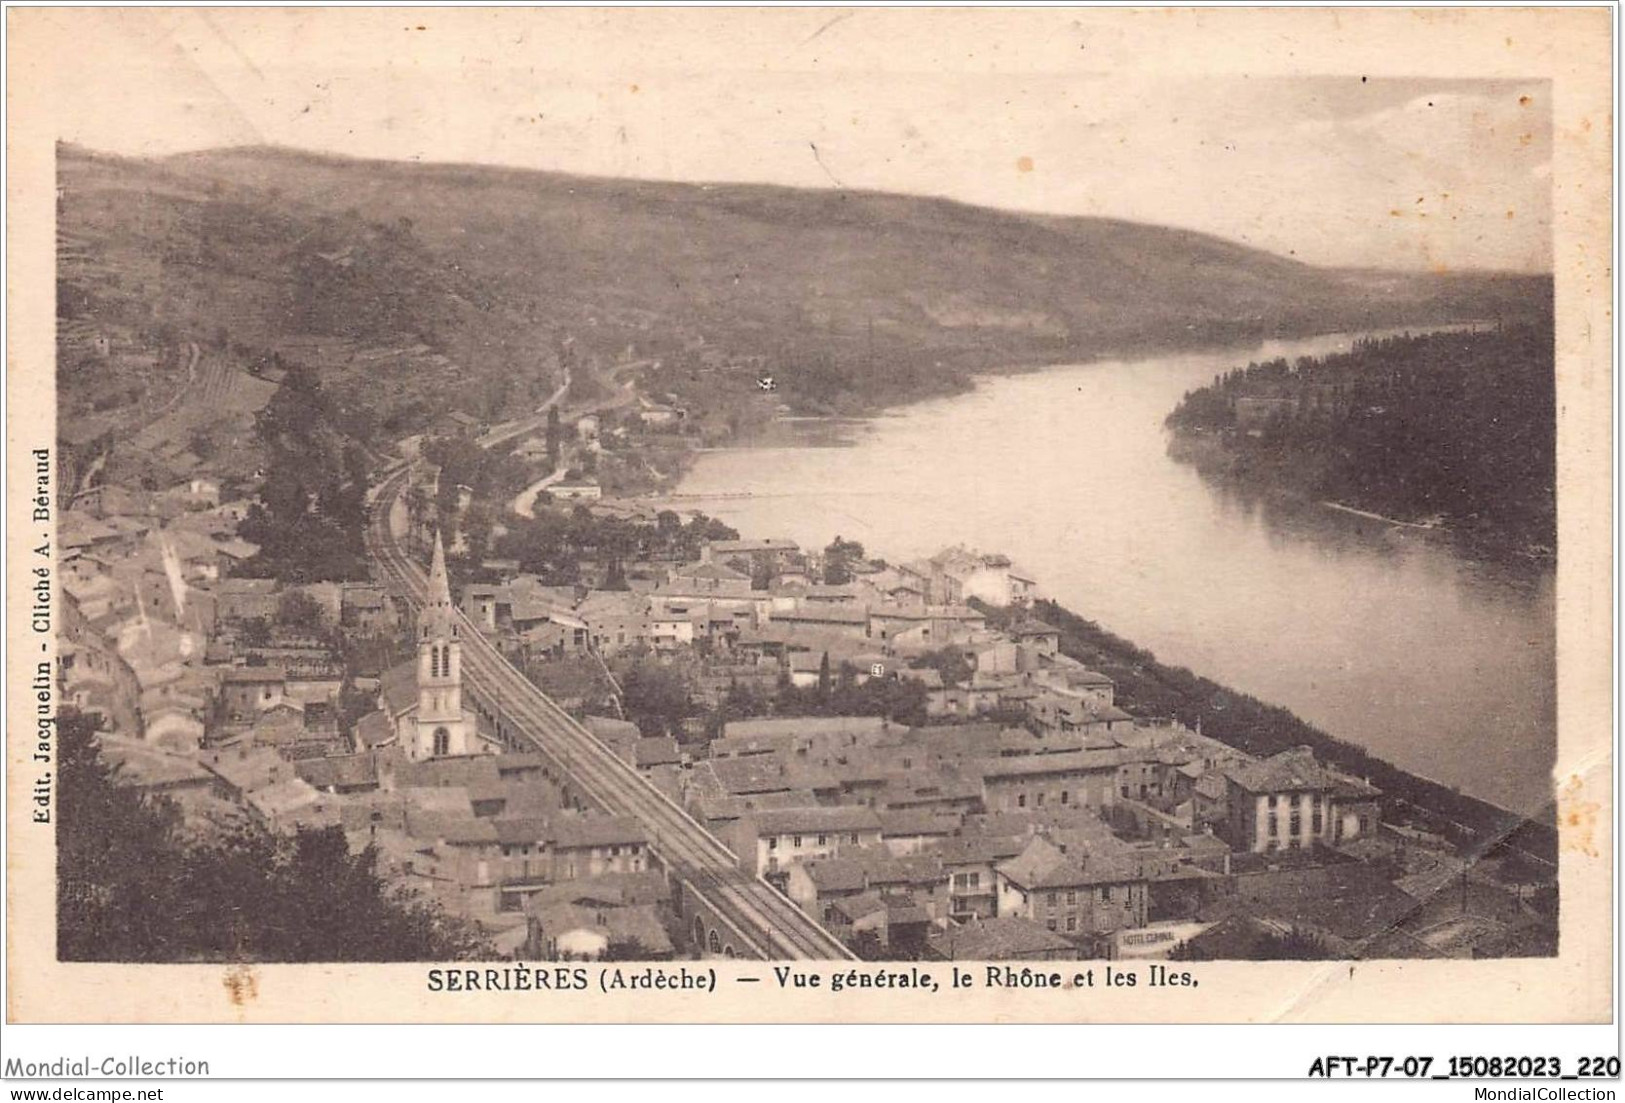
(916,102)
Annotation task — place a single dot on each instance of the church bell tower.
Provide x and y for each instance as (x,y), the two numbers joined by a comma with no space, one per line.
(441,728)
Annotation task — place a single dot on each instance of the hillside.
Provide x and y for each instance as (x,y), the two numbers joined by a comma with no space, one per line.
(413,288)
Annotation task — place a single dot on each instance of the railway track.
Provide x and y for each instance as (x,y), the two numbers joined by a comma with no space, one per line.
(761,916)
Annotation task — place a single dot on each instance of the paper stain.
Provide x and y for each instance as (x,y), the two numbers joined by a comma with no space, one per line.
(1577,819)
(1024,164)
(242,985)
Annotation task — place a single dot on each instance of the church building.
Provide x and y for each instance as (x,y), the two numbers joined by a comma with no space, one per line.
(422,700)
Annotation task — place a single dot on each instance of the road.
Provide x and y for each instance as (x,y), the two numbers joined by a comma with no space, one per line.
(528,424)
(524,503)
(762,916)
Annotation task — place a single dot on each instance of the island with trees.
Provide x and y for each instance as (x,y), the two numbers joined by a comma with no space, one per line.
(1452,430)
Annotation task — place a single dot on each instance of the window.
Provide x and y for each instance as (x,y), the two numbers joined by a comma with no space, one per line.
(1071,896)
(1021,800)
(1066,796)
(1051,899)
(1314,821)
(1071,922)
(1295,824)
(1040,800)
(1272,800)
(795,841)
(854,838)
(1274,827)
(1050,924)
(773,842)
(614,852)
(442,742)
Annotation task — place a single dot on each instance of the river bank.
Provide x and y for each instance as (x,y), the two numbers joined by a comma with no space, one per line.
(1386,638)
(1207,455)
(1148,687)
(810,423)
(1387,654)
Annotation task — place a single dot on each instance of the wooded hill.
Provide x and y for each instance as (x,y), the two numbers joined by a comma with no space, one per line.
(479,277)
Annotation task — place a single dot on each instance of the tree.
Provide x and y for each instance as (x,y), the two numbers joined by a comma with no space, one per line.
(131,888)
(839,557)
(949,661)
(555,437)
(310,519)
(117,868)
(477,522)
(297,609)
(256,632)
(656,696)
(417,505)
(761,573)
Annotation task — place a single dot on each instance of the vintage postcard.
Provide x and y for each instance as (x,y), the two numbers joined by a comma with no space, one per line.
(819,515)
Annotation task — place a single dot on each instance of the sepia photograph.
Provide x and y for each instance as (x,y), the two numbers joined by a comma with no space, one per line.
(614,498)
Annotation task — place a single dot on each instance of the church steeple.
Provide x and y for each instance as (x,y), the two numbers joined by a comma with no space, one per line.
(439,617)
(440,725)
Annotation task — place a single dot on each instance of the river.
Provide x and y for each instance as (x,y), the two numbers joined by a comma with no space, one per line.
(1382,636)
